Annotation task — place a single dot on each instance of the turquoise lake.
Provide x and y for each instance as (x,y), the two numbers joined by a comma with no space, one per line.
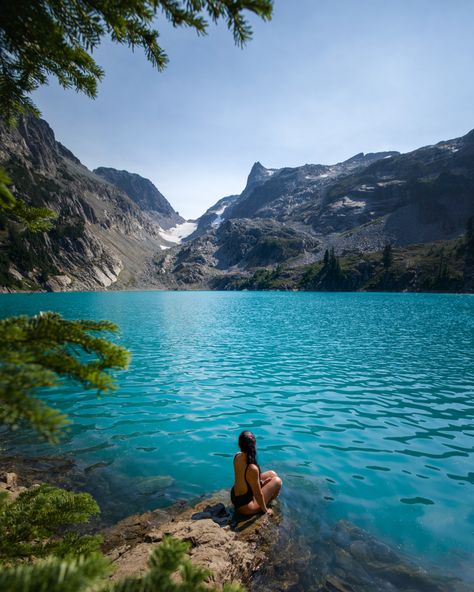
(364,403)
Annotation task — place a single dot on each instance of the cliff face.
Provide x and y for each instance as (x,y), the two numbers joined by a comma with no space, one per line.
(143,193)
(102,238)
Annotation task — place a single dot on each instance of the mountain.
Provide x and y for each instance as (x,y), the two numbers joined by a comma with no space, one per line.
(143,193)
(213,217)
(116,230)
(290,216)
(102,238)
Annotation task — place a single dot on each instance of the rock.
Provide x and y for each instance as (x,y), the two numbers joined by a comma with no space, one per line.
(9,484)
(11,480)
(232,548)
(152,485)
(142,192)
(212,547)
(334,584)
(105,235)
(132,530)
(102,464)
(60,471)
(130,561)
(58,283)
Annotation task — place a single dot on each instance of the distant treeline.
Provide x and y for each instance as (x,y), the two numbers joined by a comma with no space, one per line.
(443,266)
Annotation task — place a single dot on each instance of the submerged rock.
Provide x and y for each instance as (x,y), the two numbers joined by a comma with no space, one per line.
(151,485)
(344,558)
(278,554)
(271,554)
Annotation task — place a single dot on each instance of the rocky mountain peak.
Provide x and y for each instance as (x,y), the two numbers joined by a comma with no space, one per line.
(258,175)
(364,159)
(37,143)
(141,190)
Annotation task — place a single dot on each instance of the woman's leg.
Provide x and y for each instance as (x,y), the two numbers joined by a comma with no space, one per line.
(270,491)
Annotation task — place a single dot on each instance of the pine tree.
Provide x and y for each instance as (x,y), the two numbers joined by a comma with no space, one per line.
(326,258)
(53,574)
(35,219)
(442,276)
(57,38)
(387,256)
(32,525)
(36,351)
(469,238)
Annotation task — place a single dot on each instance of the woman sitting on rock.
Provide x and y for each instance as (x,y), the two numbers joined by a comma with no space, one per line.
(252,490)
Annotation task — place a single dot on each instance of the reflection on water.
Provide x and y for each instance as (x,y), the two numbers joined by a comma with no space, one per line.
(368,394)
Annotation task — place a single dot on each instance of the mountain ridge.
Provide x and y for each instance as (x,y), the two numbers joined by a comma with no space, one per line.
(102,238)
(357,205)
(143,192)
(116,230)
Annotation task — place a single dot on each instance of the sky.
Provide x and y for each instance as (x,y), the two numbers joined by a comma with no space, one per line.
(320,82)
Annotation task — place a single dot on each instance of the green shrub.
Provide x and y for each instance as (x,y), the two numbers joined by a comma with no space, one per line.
(33,524)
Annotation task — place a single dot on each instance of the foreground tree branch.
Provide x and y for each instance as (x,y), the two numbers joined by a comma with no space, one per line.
(36,351)
(56,38)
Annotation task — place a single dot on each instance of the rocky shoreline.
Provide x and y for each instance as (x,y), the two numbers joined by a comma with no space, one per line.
(262,553)
(232,549)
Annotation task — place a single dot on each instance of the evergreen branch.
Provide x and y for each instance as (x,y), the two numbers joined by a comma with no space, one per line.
(31,524)
(57,37)
(56,575)
(36,351)
(35,219)
(166,560)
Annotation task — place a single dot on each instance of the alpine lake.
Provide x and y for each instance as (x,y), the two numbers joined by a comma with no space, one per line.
(362,402)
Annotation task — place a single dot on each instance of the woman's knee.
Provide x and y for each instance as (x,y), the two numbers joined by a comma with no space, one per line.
(278,482)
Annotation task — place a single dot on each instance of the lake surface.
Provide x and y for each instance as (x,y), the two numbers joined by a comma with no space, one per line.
(364,403)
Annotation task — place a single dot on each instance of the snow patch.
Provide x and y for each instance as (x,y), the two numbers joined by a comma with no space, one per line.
(177,233)
(391,182)
(347,202)
(313,177)
(218,220)
(449,147)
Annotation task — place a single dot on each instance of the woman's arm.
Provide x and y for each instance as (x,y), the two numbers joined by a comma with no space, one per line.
(254,480)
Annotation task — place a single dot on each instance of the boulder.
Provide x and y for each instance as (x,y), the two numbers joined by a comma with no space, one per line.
(9,484)
(231,547)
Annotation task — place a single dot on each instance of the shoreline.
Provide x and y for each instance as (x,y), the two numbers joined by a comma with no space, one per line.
(9,292)
(265,554)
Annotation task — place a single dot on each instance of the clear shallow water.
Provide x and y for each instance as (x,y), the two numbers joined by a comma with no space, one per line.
(364,403)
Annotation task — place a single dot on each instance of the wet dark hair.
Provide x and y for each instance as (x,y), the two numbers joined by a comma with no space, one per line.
(248,444)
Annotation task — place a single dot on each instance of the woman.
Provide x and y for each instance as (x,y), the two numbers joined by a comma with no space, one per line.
(252,490)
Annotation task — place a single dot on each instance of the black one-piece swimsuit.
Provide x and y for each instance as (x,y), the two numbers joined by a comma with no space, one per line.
(245,498)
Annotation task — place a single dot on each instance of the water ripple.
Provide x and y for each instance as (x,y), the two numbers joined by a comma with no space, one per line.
(373,393)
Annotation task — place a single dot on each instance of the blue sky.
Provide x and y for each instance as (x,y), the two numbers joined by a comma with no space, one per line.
(323,80)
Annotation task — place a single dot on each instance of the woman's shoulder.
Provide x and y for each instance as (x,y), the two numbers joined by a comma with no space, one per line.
(237,456)
(252,468)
